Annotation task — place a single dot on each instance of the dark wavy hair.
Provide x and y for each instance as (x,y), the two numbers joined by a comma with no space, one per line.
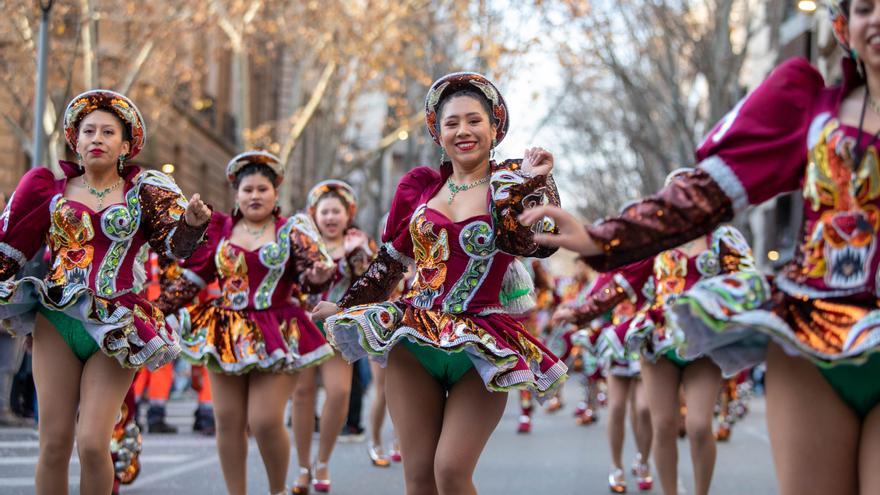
(254,168)
(470,93)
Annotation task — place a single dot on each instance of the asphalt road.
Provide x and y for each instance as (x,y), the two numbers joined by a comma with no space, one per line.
(558,457)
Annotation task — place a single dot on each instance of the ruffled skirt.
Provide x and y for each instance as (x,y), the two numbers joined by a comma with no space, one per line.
(734,326)
(126,327)
(504,354)
(278,339)
(649,334)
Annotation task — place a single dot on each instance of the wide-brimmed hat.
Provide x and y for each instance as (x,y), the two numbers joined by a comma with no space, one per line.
(451,83)
(104,99)
(255,156)
(337,186)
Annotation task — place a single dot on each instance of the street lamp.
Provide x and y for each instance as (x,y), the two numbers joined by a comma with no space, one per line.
(808,6)
(40,96)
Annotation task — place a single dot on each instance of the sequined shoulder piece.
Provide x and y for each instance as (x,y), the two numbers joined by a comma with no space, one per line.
(512,193)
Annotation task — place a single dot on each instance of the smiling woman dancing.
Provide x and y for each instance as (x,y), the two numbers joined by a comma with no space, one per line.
(98,220)
(452,349)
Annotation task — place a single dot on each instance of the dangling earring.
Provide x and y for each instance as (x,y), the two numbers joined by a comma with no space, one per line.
(79,161)
(120,164)
(492,150)
(277,209)
(442,155)
(235,210)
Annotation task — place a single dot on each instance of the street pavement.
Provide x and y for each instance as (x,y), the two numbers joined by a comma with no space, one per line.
(558,457)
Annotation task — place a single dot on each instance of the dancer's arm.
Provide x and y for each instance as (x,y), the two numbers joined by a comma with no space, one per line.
(757,151)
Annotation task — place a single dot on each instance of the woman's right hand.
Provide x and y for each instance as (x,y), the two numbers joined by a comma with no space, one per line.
(572,235)
(323,310)
(563,314)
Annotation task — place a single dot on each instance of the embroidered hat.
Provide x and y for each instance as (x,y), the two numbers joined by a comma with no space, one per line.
(839,14)
(337,186)
(104,99)
(255,156)
(465,80)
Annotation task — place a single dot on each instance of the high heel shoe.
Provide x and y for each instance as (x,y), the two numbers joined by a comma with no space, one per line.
(525,424)
(587,418)
(617,481)
(320,485)
(642,472)
(394,453)
(377,457)
(299,489)
(722,434)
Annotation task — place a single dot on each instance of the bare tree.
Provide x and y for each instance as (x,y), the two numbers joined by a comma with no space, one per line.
(643,81)
(132,35)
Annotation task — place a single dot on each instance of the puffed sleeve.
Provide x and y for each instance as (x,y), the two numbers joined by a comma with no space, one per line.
(25,220)
(163,205)
(308,250)
(396,252)
(757,151)
(612,288)
(181,281)
(512,193)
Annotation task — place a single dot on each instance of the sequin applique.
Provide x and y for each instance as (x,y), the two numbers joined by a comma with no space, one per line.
(274,256)
(232,268)
(69,235)
(842,242)
(477,239)
(431,253)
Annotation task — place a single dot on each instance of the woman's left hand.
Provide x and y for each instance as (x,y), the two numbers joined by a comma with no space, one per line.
(197,212)
(354,239)
(320,272)
(323,310)
(537,161)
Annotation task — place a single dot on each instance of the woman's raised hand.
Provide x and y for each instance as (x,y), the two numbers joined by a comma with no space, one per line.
(320,272)
(537,161)
(323,310)
(572,235)
(354,239)
(197,212)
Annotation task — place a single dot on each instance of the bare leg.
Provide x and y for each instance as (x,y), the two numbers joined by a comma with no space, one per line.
(103,386)
(336,376)
(641,418)
(303,420)
(267,396)
(618,391)
(661,383)
(702,382)
(469,418)
(869,453)
(415,401)
(811,428)
(377,409)
(230,414)
(56,375)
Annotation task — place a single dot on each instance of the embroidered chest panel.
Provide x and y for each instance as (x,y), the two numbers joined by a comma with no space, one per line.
(841,203)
